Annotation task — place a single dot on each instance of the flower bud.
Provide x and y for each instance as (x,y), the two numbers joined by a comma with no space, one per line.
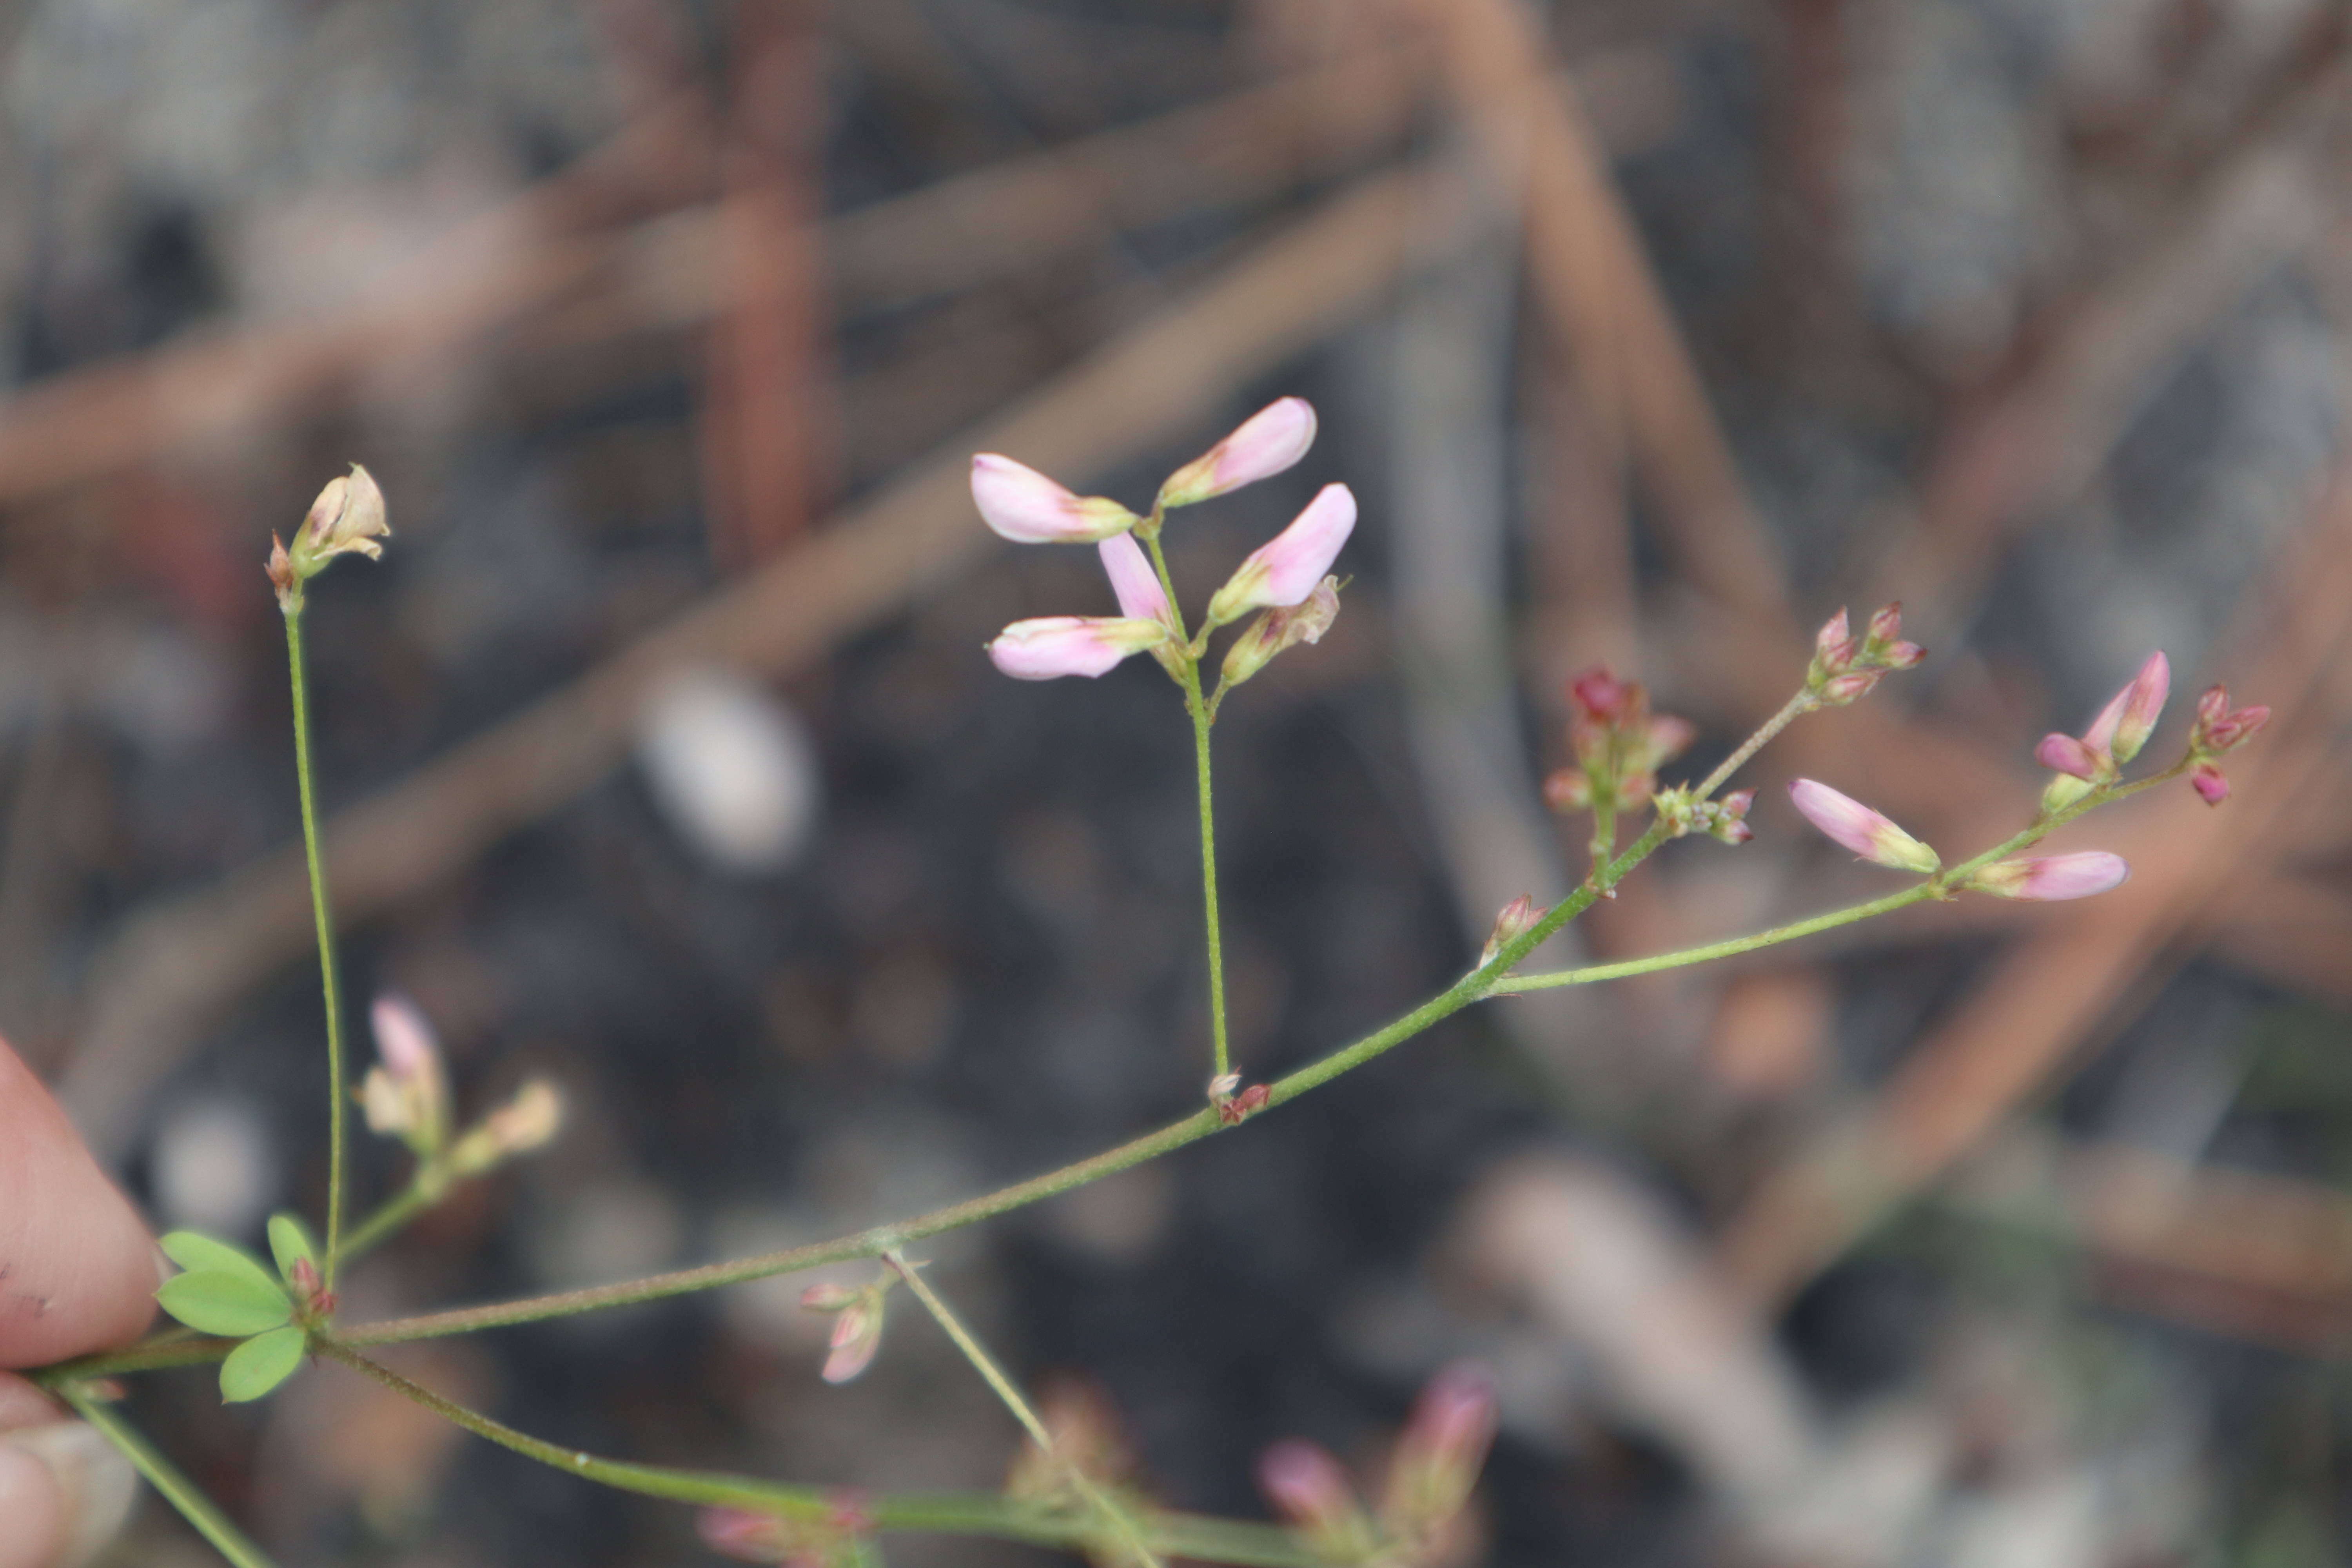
(856,1336)
(826,1298)
(1886,626)
(1518,918)
(1025,506)
(531,1119)
(1833,646)
(1314,1496)
(1840,690)
(1861,829)
(2220,728)
(2210,786)
(2123,726)
(2052,878)
(1568,789)
(1265,443)
(1439,1454)
(1600,699)
(408,1096)
(1054,646)
(347,517)
(1285,569)
(1278,630)
(1726,819)
(1140,596)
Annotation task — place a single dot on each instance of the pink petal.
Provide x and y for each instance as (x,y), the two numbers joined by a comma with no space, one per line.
(2065,755)
(1861,829)
(1140,596)
(1025,506)
(403,1038)
(2212,786)
(1285,569)
(1055,645)
(2123,725)
(1307,1485)
(1269,441)
(2054,877)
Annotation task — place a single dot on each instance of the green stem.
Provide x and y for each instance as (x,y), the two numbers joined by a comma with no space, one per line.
(1188,676)
(985,1364)
(1514,984)
(1796,708)
(322,910)
(966,1514)
(387,1220)
(178,1491)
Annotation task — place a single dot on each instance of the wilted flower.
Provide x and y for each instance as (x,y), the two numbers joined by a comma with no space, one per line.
(1269,441)
(1861,829)
(2052,878)
(1025,506)
(1280,629)
(1285,569)
(347,517)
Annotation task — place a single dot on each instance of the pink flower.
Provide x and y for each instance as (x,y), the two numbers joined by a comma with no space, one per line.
(1285,569)
(2053,877)
(408,1096)
(1312,1492)
(2212,786)
(1518,918)
(2221,728)
(1055,645)
(1861,829)
(1140,596)
(1439,1454)
(1269,441)
(1025,506)
(2115,736)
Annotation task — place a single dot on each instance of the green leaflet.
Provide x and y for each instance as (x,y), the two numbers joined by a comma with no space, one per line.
(289,1243)
(215,1301)
(261,1364)
(199,1253)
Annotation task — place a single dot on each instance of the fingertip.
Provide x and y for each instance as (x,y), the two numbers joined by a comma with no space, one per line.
(34,1511)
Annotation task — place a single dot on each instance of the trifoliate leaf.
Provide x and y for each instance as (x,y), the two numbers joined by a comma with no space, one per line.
(214,1301)
(198,1253)
(260,1364)
(290,1243)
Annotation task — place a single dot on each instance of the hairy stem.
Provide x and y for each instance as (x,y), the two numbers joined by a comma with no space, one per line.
(323,911)
(194,1507)
(965,1513)
(1796,708)
(1188,676)
(994,1375)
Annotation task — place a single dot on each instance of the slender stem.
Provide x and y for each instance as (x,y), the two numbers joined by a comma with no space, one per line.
(1604,836)
(985,1364)
(1195,1537)
(1513,984)
(387,1220)
(194,1507)
(1796,708)
(322,910)
(1188,676)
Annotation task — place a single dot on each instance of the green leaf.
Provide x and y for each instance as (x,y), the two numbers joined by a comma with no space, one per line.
(215,1302)
(198,1253)
(289,1243)
(260,1364)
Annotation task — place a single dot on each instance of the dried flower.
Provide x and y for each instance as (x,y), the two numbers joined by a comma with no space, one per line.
(1054,646)
(1286,568)
(1265,443)
(1861,829)
(1280,629)
(2052,878)
(347,518)
(1025,506)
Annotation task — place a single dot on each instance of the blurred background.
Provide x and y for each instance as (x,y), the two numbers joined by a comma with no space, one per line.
(662,758)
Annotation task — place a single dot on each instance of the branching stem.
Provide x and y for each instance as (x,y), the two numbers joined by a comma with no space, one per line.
(194,1507)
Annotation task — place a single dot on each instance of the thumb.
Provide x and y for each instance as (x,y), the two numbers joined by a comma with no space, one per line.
(78,1270)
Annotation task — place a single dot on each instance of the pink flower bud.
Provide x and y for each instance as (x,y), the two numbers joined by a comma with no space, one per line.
(408,1096)
(1285,569)
(1269,441)
(1902,654)
(1140,596)
(2220,728)
(1567,790)
(1025,506)
(1726,819)
(828,1298)
(1599,698)
(1834,645)
(1886,626)
(2123,726)
(1439,1454)
(1311,1492)
(2210,784)
(856,1335)
(1071,645)
(1518,918)
(2065,755)
(2052,878)
(1861,829)
(1840,690)
(753,1537)
(1665,738)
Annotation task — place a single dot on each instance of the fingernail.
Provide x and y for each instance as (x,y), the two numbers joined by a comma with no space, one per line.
(91,1487)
